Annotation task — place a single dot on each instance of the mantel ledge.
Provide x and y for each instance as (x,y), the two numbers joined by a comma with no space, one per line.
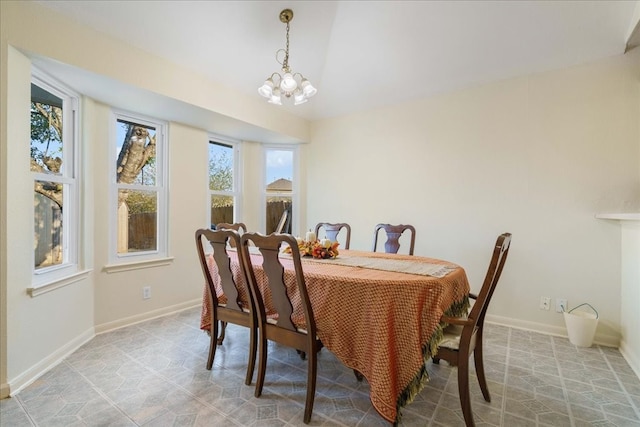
(620,216)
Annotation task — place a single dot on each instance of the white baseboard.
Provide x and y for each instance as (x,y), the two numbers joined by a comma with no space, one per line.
(132,320)
(32,374)
(40,368)
(46,364)
(558,331)
(632,358)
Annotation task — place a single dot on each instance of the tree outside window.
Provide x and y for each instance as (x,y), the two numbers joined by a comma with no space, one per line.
(51,165)
(222,186)
(138,187)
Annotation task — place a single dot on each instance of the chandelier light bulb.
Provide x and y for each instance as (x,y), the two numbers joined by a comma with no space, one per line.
(288,83)
(267,88)
(275,97)
(299,97)
(308,88)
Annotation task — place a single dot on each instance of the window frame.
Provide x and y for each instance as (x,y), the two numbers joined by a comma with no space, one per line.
(295,183)
(236,191)
(120,261)
(55,276)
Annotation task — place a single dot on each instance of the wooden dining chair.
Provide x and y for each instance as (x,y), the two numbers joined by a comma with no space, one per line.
(240,227)
(332,231)
(463,336)
(284,328)
(227,307)
(394,232)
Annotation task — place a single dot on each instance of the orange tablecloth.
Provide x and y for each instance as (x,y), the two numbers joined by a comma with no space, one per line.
(384,324)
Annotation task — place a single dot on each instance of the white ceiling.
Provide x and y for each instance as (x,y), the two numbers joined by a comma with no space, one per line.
(364,54)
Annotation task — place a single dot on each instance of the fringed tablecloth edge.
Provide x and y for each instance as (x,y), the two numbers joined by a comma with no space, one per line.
(418,382)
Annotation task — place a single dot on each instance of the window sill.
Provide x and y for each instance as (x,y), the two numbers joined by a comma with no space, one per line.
(57,284)
(117,268)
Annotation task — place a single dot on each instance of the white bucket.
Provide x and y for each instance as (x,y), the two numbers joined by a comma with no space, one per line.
(581,326)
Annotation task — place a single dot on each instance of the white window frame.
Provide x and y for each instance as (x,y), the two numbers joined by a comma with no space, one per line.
(49,278)
(142,259)
(236,192)
(295,183)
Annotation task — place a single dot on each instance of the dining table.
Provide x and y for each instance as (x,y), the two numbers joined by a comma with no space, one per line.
(378,313)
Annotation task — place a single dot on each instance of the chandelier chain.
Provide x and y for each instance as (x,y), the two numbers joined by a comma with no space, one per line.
(285,64)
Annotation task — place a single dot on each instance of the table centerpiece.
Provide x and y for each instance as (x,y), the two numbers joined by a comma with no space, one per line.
(320,249)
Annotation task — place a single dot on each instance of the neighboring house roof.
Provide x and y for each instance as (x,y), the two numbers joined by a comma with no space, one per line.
(279,185)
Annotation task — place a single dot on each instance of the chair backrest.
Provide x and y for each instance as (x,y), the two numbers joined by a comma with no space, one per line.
(282,298)
(332,231)
(218,240)
(240,227)
(394,232)
(500,252)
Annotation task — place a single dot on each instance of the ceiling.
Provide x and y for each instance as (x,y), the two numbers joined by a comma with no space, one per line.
(366,54)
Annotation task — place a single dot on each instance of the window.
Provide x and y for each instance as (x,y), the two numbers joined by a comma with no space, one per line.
(224,185)
(139,195)
(53,165)
(280,182)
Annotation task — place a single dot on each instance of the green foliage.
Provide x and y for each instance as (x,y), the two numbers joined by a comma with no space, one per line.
(220,172)
(46,139)
(142,202)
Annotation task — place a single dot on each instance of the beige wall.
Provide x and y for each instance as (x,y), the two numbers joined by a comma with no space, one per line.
(4,387)
(251,156)
(536,156)
(630,293)
(43,329)
(118,295)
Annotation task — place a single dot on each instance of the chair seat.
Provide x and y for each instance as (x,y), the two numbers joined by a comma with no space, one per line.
(451,337)
(274,321)
(246,310)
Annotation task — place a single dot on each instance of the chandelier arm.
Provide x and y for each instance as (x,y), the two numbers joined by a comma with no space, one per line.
(278,60)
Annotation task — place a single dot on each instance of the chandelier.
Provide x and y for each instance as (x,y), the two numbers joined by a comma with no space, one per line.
(288,84)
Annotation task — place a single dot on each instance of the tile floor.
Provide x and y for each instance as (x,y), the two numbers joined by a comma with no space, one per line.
(153,374)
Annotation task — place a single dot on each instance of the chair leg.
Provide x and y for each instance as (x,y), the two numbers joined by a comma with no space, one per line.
(303,355)
(253,342)
(213,333)
(312,371)
(477,359)
(262,364)
(463,390)
(223,327)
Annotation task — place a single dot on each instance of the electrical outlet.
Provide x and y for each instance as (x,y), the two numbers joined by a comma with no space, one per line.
(545,303)
(146,292)
(561,305)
